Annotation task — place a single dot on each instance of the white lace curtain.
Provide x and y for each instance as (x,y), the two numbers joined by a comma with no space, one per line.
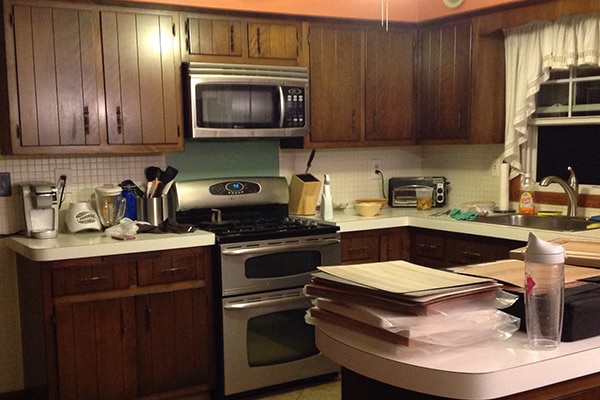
(531,50)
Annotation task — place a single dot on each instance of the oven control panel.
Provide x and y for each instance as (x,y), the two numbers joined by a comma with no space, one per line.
(234,188)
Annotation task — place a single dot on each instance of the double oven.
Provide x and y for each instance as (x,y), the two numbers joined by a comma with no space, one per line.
(263,258)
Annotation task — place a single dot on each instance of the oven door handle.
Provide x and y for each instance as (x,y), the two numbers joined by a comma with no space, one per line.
(287,247)
(263,303)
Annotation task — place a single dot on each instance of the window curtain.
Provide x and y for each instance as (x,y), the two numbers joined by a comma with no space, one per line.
(531,51)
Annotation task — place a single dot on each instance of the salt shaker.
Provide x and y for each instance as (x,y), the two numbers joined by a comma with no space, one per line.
(544,293)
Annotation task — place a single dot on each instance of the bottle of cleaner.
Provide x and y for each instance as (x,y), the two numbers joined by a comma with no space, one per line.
(326,201)
(526,201)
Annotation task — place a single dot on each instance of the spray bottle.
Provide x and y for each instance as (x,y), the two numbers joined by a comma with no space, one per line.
(326,201)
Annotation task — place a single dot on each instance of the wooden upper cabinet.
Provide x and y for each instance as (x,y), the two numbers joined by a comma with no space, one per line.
(85,79)
(389,85)
(140,71)
(215,37)
(242,40)
(59,77)
(336,85)
(273,41)
(361,82)
(444,81)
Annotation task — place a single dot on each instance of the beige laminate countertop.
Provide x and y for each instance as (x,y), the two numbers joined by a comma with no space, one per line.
(92,244)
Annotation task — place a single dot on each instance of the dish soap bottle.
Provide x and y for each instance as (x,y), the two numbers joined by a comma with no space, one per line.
(526,201)
(326,201)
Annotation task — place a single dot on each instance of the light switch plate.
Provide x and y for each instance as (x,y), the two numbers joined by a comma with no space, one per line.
(5,188)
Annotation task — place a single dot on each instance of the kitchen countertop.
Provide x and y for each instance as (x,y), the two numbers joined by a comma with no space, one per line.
(90,244)
(487,370)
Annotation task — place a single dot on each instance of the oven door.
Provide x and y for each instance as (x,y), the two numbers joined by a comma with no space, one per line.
(260,266)
(267,342)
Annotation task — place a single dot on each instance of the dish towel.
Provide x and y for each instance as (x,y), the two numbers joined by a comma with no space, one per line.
(463,215)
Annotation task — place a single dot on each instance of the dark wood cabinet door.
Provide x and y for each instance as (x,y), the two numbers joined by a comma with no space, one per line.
(277,41)
(336,84)
(360,247)
(96,350)
(214,37)
(140,63)
(59,76)
(389,85)
(173,337)
(444,81)
(394,245)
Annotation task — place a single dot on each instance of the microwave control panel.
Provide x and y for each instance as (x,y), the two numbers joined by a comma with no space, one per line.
(295,106)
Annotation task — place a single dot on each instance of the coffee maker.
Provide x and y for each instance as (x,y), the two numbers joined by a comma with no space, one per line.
(40,207)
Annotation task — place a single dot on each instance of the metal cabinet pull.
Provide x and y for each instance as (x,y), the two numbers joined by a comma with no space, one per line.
(471,254)
(428,247)
(258,40)
(358,250)
(123,322)
(232,38)
(86,120)
(171,270)
(148,318)
(119,121)
(94,279)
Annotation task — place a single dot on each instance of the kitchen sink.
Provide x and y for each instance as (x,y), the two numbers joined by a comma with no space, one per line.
(553,223)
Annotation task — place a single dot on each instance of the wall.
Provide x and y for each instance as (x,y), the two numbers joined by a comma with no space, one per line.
(398,10)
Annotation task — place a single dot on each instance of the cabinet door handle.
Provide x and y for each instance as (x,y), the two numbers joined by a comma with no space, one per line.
(148,318)
(123,322)
(172,270)
(119,120)
(471,254)
(428,247)
(354,250)
(232,38)
(93,279)
(86,120)
(258,40)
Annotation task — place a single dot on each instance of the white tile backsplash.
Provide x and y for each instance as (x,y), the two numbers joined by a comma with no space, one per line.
(87,172)
(468,168)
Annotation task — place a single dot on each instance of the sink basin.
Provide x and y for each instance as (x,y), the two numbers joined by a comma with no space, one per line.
(553,223)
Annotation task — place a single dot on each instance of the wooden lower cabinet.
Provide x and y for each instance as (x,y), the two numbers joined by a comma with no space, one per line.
(440,249)
(121,338)
(375,245)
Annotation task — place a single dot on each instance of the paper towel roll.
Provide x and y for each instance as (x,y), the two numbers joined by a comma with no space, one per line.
(503,204)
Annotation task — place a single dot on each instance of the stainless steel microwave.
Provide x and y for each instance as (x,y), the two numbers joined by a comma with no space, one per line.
(233,101)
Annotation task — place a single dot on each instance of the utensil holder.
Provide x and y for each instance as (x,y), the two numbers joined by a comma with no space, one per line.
(153,210)
(304,194)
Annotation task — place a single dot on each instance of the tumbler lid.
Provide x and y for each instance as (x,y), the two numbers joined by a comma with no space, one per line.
(541,252)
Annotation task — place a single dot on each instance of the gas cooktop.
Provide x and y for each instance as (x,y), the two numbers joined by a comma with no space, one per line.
(242,209)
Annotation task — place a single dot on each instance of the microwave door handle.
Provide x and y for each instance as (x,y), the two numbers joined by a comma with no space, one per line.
(281,107)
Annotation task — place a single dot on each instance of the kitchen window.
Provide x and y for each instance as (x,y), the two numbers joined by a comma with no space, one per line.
(569,97)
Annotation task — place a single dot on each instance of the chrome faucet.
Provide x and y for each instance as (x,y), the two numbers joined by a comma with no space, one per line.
(571,188)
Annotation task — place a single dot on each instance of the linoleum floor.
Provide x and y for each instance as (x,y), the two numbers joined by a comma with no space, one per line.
(329,390)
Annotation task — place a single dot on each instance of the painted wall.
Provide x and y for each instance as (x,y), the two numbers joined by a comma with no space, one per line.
(398,10)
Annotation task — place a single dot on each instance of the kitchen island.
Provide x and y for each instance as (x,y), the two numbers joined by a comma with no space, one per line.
(495,369)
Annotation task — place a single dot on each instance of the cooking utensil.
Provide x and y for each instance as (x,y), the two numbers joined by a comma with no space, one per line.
(310,159)
(167,176)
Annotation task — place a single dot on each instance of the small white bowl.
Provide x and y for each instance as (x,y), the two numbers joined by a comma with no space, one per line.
(368,209)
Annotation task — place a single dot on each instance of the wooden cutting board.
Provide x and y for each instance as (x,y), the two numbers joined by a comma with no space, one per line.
(579,251)
(512,271)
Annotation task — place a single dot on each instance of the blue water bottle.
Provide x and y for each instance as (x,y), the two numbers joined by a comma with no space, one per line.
(130,200)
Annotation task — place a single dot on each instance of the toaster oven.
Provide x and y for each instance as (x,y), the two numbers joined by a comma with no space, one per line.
(402,190)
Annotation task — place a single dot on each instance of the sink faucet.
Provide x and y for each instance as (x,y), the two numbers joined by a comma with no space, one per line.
(571,188)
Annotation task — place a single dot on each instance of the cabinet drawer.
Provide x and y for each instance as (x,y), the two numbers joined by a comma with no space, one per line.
(360,248)
(171,269)
(468,251)
(92,277)
(429,246)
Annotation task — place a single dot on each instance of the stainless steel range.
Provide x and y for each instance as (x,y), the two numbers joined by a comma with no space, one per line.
(263,259)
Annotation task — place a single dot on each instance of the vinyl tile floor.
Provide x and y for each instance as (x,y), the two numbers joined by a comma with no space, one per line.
(328,390)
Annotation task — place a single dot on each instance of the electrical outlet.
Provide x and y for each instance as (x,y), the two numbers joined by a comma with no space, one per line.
(496,168)
(58,172)
(376,166)
(5,188)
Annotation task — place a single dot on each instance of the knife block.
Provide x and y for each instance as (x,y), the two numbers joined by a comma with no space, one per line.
(304,194)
